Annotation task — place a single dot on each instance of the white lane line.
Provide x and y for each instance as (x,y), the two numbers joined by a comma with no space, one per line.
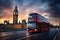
(28,36)
(55,37)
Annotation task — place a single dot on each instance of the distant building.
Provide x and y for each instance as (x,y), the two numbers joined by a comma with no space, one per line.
(6,22)
(19,22)
(15,16)
(23,21)
(24,24)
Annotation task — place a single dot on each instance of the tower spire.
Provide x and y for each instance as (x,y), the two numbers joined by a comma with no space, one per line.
(16,8)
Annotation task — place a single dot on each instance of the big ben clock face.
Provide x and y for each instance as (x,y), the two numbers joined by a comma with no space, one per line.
(16,12)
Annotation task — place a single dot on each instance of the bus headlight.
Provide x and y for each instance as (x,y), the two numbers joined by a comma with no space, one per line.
(27,29)
(35,29)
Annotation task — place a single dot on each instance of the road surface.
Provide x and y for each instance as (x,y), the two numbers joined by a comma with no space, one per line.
(58,35)
(24,35)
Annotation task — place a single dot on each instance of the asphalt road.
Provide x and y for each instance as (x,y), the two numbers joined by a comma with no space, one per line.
(58,35)
(24,35)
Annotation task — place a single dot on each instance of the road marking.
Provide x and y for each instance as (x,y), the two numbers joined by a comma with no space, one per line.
(55,37)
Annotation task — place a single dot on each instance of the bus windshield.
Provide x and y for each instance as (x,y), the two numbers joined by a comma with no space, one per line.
(31,25)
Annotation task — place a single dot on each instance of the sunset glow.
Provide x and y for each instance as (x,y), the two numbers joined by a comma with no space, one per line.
(25,7)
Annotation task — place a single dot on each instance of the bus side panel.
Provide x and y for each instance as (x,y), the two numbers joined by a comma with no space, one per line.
(43,29)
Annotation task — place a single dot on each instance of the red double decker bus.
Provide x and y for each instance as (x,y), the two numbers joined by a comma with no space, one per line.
(37,23)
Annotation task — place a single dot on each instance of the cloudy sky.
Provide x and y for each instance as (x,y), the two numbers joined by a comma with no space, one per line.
(47,8)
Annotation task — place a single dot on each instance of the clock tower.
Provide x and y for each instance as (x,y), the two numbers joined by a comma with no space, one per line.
(15,16)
